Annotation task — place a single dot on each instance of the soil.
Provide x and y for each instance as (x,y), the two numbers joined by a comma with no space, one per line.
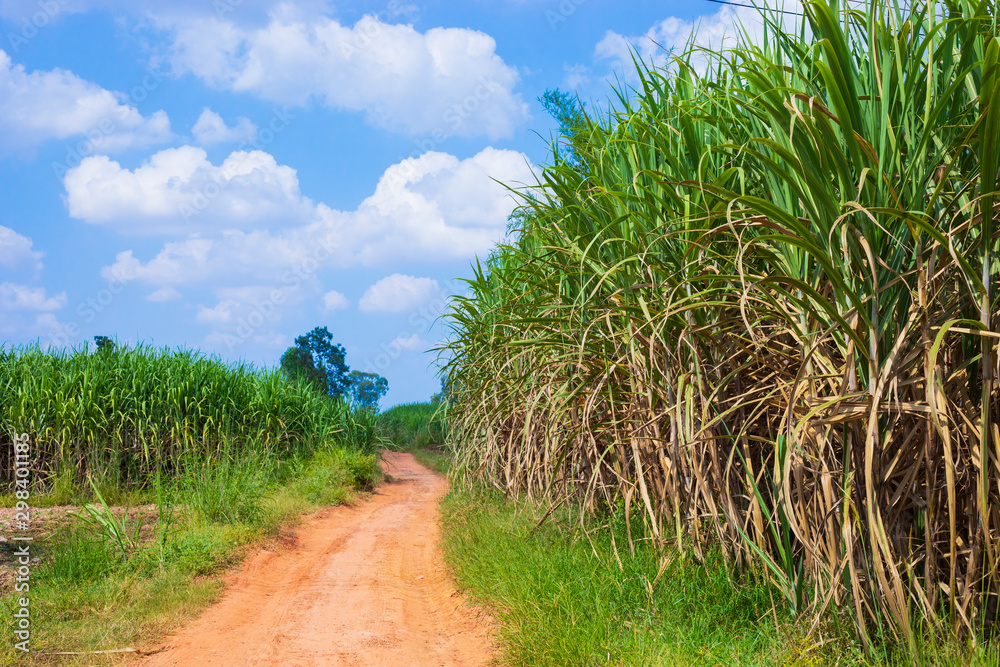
(360,585)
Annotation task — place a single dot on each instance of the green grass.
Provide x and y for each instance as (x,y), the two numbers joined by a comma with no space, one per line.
(435,458)
(332,473)
(563,600)
(65,488)
(561,596)
(116,611)
(417,428)
(226,489)
(228,453)
(87,594)
(412,425)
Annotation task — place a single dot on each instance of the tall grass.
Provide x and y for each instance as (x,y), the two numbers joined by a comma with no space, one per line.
(418,428)
(413,425)
(121,416)
(761,309)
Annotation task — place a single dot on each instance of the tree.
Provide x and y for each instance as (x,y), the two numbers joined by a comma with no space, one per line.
(367,388)
(568,111)
(442,396)
(298,365)
(104,344)
(317,360)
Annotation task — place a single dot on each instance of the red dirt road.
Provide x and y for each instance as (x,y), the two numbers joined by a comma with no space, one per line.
(362,585)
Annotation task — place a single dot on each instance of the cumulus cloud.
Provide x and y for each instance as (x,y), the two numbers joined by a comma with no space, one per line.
(27,326)
(247,313)
(21,297)
(408,343)
(17,253)
(178,189)
(398,293)
(26,311)
(211,129)
(163,294)
(424,210)
(334,300)
(222,313)
(57,104)
(714,32)
(446,81)
(233,303)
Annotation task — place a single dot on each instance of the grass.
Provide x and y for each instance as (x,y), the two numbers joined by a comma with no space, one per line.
(564,595)
(113,612)
(88,594)
(226,489)
(412,425)
(417,428)
(64,488)
(562,599)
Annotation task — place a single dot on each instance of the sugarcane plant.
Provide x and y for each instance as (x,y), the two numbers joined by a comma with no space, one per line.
(757,309)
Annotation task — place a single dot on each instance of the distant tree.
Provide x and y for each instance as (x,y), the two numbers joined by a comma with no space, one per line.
(329,357)
(298,365)
(104,344)
(442,396)
(317,360)
(367,388)
(568,111)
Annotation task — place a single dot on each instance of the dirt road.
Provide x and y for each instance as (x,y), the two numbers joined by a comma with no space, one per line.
(362,585)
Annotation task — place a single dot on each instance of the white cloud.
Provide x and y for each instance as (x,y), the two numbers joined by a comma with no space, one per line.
(717,31)
(248,313)
(446,81)
(163,294)
(17,253)
(41,326)
(21,297)
(334,300)
(398,293)
(178,189)
(211,129)
(424,210)
(57,104)
(26,311)
(408,343)
(221,313)
(234,303)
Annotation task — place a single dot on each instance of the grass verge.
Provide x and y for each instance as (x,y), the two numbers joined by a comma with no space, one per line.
(88,592)
(563,599)
(566,596)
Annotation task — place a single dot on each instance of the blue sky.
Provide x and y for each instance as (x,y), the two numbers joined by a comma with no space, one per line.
(227,174)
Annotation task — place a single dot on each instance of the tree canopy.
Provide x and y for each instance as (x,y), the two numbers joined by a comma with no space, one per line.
(104,344)
(317,360)
(568,110)
(367,388)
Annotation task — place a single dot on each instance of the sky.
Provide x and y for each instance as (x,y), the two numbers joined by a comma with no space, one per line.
(226,175)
